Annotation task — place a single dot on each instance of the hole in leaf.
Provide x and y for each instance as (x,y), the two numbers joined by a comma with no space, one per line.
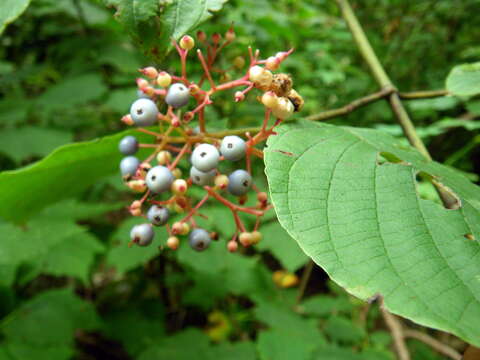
(386,157)
(428,188)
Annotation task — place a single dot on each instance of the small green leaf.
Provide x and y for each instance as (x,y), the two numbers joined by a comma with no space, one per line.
(10,10)
(20,143)
(282,246)
(26,330)
(343,330)
(464,80)
(194,344)
(73,91)
(362,220)
(133,13)
(182,16)
(137,327)
(67,171)
(323,305)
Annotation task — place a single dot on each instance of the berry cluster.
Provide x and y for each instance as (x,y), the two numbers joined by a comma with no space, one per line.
(162,98)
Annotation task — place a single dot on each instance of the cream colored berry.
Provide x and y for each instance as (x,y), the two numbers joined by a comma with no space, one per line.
(164,157)
(173,242)
(164,79)
(179,187)
(270,99)
(284,108)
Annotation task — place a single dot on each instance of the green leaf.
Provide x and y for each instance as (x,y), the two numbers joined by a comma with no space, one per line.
(10,10)
(464,80)
(194,344)
(343,330)
(183,16)
(323,305)
(44,327)
(52,243)
(133,13)
(20,143)
(282,246)
(67,171)
(361,219)
(217,273)
(72,257)
(73,91)
(137,327)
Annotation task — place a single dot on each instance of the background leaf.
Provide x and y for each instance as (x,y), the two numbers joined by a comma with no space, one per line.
(10,10)
(19,143)
(361,219)
(64,173)
(464,80)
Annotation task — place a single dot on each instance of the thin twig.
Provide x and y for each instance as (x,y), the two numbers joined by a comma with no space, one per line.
(351,106)
(433,343)
(396,330)
(428,94)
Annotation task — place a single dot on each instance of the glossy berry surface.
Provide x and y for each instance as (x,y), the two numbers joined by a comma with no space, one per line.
(159,179)
(129,165)
(177,95)
(205,157)
(202,178)
(158,215)
(233,148)
(142,234)
(199,239)
(239,182)
(144,112)
(128,145)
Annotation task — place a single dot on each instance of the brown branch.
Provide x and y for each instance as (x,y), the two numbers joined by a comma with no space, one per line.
(427,94)
(433,343)
(379,95)
(395,327)
(352,106)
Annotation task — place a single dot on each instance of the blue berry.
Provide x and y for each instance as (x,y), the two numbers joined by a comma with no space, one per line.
(239,182)
(158,215)
(205,157)
(144,112)
(142,234)
(177,95)
(159,179)
(199,239)
(233,148)
(202,178)
(129,165)
(128,145)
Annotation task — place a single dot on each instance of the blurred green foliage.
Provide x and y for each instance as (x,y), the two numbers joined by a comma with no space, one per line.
(69,285)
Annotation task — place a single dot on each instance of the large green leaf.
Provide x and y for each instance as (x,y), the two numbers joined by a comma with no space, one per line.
(10,10)
(67,171)
(361,219)
(464,80)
